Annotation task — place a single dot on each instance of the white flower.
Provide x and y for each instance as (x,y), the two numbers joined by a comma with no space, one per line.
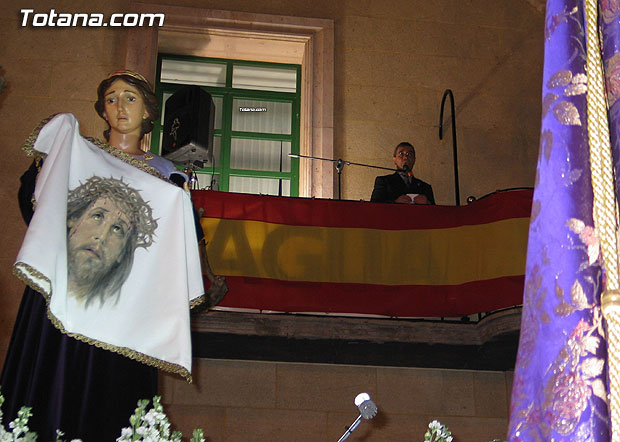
(126,434)
(141,431)
(434,425)
(153,426)
(149,418)
(160,417)
(437,432)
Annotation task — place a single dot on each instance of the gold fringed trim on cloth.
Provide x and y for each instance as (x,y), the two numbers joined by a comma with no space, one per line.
(197,301)
(18,270)
(610,303)
(124,351)
(140,164)
(605,205)
(28,147)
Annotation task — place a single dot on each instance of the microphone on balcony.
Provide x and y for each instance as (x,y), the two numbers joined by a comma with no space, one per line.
(367,409)
(407,170)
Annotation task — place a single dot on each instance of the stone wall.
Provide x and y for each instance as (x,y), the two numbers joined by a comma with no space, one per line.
(239,401)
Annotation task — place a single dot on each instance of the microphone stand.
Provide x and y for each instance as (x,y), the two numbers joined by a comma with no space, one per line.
(353,426)
(448,93)
(339,165)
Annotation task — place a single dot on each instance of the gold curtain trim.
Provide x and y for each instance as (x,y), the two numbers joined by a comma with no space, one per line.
(124,351)
(601,160)
(610,300)
(605,205)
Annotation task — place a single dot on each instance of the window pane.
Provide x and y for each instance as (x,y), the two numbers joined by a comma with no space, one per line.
(217,151)
(266,155)
(264,78)
(206,181)
(164,99)
(262,116)
(263,186)
(219,107)
(191,72)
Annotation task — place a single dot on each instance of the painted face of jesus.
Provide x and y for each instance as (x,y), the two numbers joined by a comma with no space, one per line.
(96,241)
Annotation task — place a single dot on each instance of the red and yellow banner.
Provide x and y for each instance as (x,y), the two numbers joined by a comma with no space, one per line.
(308,255)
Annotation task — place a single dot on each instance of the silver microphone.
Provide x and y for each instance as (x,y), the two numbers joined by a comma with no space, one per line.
(367,408)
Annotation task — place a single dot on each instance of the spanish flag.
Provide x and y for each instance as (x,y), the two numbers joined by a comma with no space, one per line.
(347,257)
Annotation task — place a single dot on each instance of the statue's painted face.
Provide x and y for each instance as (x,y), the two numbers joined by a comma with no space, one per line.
(124,108)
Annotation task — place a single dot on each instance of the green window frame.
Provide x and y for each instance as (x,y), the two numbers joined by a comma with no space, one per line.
(221,169)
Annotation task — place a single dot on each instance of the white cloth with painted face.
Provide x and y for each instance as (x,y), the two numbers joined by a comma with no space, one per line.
(113,248)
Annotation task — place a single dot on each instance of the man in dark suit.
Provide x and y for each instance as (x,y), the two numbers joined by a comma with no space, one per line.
(401,186)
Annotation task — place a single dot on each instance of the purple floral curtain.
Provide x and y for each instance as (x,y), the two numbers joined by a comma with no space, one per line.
(559,387)
(609,22)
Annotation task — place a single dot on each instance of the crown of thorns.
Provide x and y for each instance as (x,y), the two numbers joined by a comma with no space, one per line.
(139,212)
